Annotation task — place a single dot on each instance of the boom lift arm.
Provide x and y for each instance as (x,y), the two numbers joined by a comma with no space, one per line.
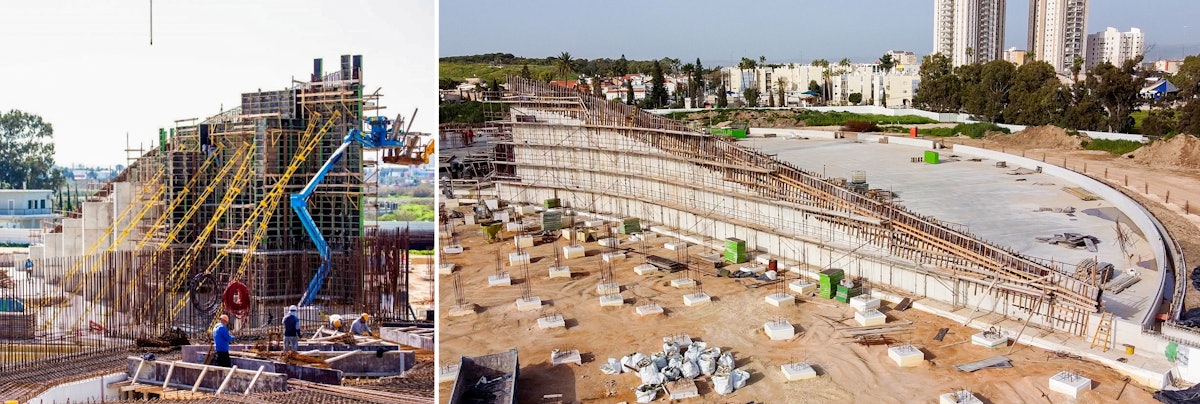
(403,147)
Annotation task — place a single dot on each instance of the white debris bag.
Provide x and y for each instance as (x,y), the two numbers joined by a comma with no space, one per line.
(726,360)
(660,360)
(634,361)
(740,377)
(611,368)
(690,369)
(674,361)
(670,347)
(671,374)
(650,375)
(646,393)
(722,384)
(771,275)
(693,350)
(708,360)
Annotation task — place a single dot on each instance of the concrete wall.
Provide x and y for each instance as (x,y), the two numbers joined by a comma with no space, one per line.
(794,133)
(96,389)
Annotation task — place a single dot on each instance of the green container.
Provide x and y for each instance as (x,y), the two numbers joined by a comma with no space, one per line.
(844,293)
(931,157)
(631,225)
(827,282)
(553,203)
(551,220)
(735,250)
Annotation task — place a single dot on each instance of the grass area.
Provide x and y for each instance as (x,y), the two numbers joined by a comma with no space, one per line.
(1138,117)
(461,71)
(1115,147)
(420,252)
(814,118)
(972,130)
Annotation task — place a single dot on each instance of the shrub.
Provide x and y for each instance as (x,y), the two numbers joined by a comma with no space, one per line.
(860,126)
(1116,147)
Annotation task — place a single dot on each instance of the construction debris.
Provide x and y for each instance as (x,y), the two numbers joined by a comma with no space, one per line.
(1072,240)
(995,362)
(172,338)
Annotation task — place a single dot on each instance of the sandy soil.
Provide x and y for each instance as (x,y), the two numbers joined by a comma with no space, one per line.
(848,372)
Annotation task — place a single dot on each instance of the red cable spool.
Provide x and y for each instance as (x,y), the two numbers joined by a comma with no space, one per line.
(237,299)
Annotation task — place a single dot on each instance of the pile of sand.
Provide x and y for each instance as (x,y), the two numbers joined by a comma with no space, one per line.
(1179,151)
(1040,137)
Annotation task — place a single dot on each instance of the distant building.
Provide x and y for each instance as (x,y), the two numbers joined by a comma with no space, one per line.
(1114,46)
(892,89)
(1015,56)
(22,210)
(1057,31)
(1168,66)
(904,59)
(968,31)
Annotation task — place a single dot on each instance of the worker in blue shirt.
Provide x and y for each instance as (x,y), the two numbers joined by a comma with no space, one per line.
(221,340)
(361,325)
(291,330)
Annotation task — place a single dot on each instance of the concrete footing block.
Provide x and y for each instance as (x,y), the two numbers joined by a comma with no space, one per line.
(446,269)
(696,299)
(798,371)
(675,246)
(649,309)
(989,340)
(512,226)
(564,357)
(571,252)
(614,300)
(682,283)
(906,356)
(779,330)
(532,303)
(612,257)
(780,299)
(612,242)
(523,241)
(515,258)
(560,272)
(548,322)
(863,302)
(453,249)
(462,310)
(608,288)
(593,223)
(753,268)
(870,317)
(959,397)
(1070,384)
(803,287)
(499,280)
(645,269)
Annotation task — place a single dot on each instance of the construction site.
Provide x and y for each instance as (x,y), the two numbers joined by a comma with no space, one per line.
(244,214)
(583,239)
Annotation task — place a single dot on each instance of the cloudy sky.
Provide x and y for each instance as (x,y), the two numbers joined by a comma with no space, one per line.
(89,69)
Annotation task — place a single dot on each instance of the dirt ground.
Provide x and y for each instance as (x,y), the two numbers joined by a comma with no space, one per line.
(847,371)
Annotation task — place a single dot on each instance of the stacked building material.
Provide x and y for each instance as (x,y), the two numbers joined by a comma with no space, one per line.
(847,289)
(735,250)
(551,219)
(827,282)
(631,225)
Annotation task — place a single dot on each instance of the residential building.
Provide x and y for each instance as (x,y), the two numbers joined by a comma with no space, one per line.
(892,89)
(968,31)
(1057,32)
(22,210)
(905,59)
(1114,46)
(1015,56)
(1168,66)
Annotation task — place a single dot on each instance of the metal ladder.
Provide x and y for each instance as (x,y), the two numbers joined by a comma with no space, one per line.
(1104,330)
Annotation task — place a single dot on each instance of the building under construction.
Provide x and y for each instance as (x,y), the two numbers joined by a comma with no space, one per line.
(201,224)
(560,153)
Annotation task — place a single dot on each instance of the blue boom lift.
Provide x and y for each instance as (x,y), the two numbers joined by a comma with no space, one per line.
(401,147)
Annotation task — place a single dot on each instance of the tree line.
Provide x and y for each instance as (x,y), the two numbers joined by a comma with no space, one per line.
(1102,98)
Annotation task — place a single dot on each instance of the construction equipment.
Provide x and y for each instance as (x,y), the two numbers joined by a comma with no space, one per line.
(401,147)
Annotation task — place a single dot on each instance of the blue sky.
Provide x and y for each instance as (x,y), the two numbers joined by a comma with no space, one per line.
(784,31)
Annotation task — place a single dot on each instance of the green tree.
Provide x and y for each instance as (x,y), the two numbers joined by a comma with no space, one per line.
(621,68)
(629,92)
(940,88)
(597,87)
(751,95)
(1076,66)
(825,76)
(722,98)
(447,84)
(886,63)
(562,65)
(814,87)
(1083,111)
(855,98)
(986,94)
(1189,117)
(27,152)
(1033,99)
(1159,123)
(1117,89)
(781,84)
(698,78)
(525,73)
(658,89)
(1188,77)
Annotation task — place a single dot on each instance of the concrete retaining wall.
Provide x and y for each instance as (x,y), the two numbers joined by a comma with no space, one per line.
(96,389)
(794,133)
(185,377)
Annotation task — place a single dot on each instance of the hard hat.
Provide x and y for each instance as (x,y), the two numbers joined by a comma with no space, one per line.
(293,308)
(337,322)
(366,317)
(225,318)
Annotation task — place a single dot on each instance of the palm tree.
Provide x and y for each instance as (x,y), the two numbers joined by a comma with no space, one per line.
(563,64)
(825,75)
(782,84)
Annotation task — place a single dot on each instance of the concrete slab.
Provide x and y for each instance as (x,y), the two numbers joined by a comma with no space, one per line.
(499,280)
(906,356)
(532,303)
(565,357)
(513,226)
(779,330)
(803,287)
(752,268)
(696,299)
(870,317)
(1070,384)
(780,299)
(555,321)
(572,252)
(446,269)
(608,288)
(682,283)
(675,246)
(614,300)
(593,223)
(612,257)
(863,302)
(798,371)
(560,272)
(959,397)
(612,242)
(647,235)
(987,340)
(681,389)
(515,259)
(527,209)
(453,249)
(645,269)
(462,310)
(649,309)
(523,241)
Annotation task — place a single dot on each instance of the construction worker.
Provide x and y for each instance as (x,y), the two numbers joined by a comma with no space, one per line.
(335,322)
(291,330)
(221,340)
(361,325)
